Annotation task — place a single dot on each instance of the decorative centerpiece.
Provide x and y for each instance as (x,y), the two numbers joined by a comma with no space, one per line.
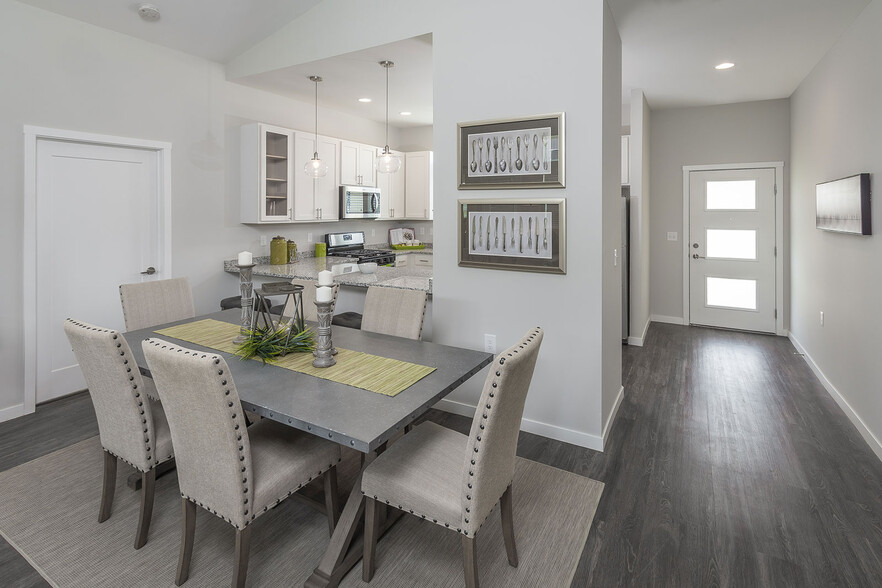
(245,265)
(324,304)
(269,337)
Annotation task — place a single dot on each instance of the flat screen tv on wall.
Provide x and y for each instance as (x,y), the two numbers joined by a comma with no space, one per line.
(843,206)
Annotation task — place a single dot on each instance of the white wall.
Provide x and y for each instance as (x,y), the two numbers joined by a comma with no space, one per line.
(837,127)
(640,214)
(567,399)
(732,133)
(66,74)
(415,138)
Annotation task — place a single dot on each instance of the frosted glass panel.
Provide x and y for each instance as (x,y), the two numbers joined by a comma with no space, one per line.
(731,244)
(731,195)
(731,293)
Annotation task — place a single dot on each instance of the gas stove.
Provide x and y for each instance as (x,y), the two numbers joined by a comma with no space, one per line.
(352,245)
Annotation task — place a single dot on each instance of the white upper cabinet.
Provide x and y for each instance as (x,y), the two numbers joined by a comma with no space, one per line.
(316,199)
(267,174)
(626,160)
(418,185)
(392,191)
(357,164)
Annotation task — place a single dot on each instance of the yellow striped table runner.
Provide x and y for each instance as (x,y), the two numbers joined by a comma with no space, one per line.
(382,375)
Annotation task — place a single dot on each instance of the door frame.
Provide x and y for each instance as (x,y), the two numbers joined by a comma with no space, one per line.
(778,166)
(33,134)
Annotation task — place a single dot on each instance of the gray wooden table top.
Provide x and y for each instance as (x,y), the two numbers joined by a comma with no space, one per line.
(353,417)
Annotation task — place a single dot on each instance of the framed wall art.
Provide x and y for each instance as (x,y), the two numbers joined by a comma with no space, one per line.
(512,153)
(513,234)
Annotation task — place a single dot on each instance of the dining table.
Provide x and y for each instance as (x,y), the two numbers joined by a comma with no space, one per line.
(351,416)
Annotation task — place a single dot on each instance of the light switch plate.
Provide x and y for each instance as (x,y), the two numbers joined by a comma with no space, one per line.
(672,235)
(263,240)
(309,237)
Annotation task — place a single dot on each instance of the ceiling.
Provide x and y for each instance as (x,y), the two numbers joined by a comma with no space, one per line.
(670,47)
(214,29)
(348,77)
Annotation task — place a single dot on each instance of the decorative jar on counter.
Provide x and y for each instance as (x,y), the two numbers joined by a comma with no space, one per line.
(278,251)
(292,251)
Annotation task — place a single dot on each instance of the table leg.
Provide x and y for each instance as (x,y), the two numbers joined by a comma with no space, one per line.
(330,569)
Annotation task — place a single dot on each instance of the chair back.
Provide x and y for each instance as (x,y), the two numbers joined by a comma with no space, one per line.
(394,311)
(154,303)
(125,423)
(490,455)
(309,311)
(207,425)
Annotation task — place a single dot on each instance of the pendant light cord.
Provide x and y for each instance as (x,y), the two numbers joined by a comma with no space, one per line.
(387,107)
(316,115)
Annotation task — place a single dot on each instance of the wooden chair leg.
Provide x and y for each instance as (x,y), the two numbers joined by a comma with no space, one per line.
(332,498)
(188,533)
(470,561)
(109,487)
(148,487)
(243,546)
(508,535)
(371,530)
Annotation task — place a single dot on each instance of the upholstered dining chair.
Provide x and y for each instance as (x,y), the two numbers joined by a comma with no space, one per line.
(233,472)
(309,311)
(394,311)
(455,480)
(131,426)
(154,303)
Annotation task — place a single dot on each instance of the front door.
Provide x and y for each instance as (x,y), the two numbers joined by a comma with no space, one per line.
(732,249)
(98,226)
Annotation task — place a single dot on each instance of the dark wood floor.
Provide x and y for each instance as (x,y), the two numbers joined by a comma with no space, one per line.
(728,465)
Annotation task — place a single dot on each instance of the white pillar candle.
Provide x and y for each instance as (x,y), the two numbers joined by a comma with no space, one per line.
(245,258)
(323,294)
(326,278)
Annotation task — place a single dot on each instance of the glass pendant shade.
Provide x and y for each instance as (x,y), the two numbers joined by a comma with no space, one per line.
(315,167)
(388,162)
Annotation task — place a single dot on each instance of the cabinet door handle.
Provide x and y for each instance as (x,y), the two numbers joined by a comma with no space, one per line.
(321,213)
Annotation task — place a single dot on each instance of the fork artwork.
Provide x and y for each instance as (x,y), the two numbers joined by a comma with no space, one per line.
(495,155)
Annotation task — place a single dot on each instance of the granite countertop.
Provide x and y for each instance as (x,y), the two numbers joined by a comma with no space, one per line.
(307,268)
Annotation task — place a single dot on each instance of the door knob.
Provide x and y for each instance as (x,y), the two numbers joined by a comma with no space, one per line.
(150,271)
(697,256)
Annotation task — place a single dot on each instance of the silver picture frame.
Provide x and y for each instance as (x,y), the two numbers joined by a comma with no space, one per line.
(514,234)
(526,152)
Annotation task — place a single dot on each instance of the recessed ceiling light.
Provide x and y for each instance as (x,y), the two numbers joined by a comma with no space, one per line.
(148,12)
(725,65)
(405,113)
(364,99)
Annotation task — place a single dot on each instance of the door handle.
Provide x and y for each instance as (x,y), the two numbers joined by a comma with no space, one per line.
(150,271)
(697,256)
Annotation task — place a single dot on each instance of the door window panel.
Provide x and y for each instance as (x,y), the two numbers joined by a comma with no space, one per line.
(731,243)
(731,195)
(730,293)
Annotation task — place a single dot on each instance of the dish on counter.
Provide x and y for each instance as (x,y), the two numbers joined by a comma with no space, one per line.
(368,267)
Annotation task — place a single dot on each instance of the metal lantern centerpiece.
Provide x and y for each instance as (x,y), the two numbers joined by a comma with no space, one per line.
(291,319)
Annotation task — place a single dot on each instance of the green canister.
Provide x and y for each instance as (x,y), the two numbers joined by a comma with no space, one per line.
(321,249)
(292,251)
(278,251)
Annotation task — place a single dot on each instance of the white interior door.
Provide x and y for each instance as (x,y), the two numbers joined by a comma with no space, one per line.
(98,226)
(732,249)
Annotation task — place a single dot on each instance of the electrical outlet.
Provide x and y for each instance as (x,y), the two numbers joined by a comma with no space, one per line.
(373,232)
(489,343)
(672,235)
(263,240)
(309,237)
(822,318)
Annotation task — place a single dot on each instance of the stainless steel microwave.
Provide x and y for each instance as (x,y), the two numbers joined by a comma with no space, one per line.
(359,202)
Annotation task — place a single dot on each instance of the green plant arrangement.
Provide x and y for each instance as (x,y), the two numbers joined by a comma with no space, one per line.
(269,343)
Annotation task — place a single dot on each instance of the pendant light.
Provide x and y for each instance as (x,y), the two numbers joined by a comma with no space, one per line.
(315,167)
(388,162)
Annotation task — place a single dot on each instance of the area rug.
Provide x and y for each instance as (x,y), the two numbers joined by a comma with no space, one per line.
(49,513)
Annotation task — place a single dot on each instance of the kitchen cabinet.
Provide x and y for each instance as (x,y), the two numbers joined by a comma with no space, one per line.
(316,199)
(391,187)
(357,164)
(267,187)
(418,200)
(626,160)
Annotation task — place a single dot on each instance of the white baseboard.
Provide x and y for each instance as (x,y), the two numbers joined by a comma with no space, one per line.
(638,341)
(539,428)
(12,412)
(853,416)
(673,320)
(607,426)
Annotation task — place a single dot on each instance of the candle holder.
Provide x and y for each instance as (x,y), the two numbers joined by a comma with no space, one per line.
(324,349)
(246,288)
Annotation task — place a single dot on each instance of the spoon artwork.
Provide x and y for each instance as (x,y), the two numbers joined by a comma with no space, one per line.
(474,165)
(502,163)
(530,233)
(510,166)
(512,233)
(526,152)
(481,154)
(495,155)
(519,162)
(545,153)
(535,161)
(488,166)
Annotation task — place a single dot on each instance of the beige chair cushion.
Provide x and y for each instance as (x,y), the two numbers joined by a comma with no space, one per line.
(284,459)
(155,303)
(394,311)
(421,473)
